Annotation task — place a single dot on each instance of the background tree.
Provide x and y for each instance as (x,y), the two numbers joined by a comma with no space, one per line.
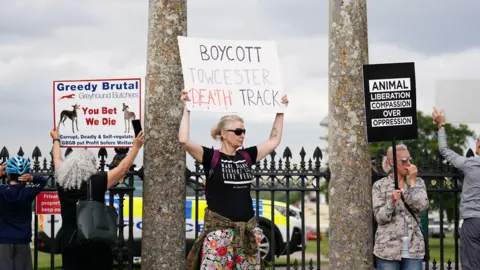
(458,137)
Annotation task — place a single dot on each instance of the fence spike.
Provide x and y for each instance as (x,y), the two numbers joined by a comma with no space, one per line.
(20,152)
(425,159)
(102,152)
(287,153)
(36,152)
(434,264)
(449,264)
(295,264)
(4,153)
(310,265)
(36,155)
(45,164)
(318,156)
(265,164)
(310,164)
(317,153)
(272,162)
(302,158)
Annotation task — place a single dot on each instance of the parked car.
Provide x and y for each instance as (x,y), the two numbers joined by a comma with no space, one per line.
(434,228)
(265,210)
(312,233)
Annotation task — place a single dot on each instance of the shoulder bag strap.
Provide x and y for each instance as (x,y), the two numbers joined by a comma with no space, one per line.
(89,189)
(412,214)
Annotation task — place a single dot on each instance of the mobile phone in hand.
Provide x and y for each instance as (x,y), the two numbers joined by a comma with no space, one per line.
(137,126)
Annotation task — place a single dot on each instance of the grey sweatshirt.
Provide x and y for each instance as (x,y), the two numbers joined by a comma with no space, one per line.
(470,199)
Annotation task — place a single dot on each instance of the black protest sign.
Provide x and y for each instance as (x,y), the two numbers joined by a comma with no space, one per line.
(390,101)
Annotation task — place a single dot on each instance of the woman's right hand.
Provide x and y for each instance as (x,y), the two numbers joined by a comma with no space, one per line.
(438,116)
(395,196)
(184,98)
(139,140)
(54,134)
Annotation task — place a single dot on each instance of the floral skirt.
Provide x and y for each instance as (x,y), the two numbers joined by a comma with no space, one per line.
(218,253)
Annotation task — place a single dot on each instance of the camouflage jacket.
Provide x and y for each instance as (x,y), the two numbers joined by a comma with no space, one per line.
(391,219)
(243,236)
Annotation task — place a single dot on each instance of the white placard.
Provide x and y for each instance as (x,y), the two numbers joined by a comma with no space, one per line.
(231,75)
(459,99)
(96,113)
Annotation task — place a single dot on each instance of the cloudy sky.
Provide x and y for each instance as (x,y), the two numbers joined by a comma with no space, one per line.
(46,40)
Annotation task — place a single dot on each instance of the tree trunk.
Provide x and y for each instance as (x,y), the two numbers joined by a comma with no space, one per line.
(350,205)
(163,236)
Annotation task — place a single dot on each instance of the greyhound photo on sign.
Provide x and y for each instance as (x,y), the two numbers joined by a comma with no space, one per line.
(96,113)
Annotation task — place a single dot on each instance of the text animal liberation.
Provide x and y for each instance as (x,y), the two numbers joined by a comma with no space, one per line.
(390,95)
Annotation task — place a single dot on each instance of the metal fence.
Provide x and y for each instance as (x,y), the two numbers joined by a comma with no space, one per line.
(280,192)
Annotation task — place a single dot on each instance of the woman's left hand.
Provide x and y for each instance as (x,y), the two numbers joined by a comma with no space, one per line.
(54,133)
(285,100)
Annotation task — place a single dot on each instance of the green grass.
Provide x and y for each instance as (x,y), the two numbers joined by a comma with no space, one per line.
(434,244)
(44,261)
(448,248)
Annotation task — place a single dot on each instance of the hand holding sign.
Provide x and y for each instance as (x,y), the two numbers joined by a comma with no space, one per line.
(285,100)
(184,98)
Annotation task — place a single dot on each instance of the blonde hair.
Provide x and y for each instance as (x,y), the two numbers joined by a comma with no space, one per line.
(77,167)
(224,121)
(385,164)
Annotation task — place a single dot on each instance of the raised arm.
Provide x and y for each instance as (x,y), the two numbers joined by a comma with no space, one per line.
(453,158)
(118,172)
(275,135)
(193,148)
(56,153)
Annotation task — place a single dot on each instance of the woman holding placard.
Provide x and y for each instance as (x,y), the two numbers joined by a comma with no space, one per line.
(399,239)
(230,236)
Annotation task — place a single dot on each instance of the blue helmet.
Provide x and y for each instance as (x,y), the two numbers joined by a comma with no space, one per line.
(18,165)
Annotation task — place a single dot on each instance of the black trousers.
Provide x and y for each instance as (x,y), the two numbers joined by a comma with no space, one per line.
(470,244)
(85,257)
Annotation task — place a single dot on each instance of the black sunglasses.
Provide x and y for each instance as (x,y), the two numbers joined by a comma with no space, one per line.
(405,160)
(238,131)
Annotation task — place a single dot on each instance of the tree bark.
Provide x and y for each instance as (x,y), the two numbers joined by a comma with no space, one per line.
(350,236)
(163,234)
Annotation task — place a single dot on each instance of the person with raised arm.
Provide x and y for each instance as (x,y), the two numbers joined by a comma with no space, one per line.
(230,236)
(71,176)
(470,198)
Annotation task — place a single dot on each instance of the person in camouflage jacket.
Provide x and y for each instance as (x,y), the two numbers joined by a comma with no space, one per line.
(399,241)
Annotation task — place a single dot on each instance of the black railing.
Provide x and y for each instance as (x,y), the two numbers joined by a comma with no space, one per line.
(278,184)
